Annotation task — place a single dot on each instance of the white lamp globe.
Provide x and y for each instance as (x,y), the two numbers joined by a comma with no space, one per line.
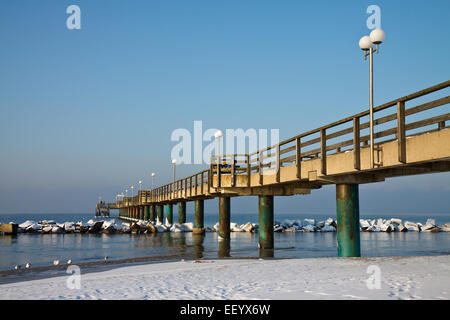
(377,36)
(153,174)
(174,161)
(218,134)
(365,43)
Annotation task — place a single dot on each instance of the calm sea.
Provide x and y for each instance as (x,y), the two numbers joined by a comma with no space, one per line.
(41,250)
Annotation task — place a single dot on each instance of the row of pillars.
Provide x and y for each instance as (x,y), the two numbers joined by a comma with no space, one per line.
(347,213)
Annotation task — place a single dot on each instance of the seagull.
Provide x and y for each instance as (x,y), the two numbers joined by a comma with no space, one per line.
(55,262)
(28,265)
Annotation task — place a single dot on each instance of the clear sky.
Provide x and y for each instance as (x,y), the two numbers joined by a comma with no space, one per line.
(87,113)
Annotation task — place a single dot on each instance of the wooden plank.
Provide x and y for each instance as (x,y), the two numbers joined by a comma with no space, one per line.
(323,151)
(356,144)
(401,131)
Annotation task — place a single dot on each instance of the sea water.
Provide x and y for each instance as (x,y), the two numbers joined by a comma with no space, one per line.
(43,249)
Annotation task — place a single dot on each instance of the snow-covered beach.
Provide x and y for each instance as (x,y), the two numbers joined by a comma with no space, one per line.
(422,277)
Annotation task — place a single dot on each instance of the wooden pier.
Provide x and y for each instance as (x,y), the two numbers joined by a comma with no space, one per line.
(411,136)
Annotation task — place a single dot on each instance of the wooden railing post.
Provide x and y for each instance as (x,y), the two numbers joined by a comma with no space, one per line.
(260,158)
(248,170)
(401,132)
(323,151)
(298,158)
(218,173)
(209,180)
(278,165)
(356,144)
(233,173)
(196,184)
(201,182)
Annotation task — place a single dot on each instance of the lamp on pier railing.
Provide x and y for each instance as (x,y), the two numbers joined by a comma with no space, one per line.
(218,134)
(366,43)
(126,192)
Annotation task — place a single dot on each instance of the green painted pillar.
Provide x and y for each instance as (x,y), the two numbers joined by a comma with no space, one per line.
(146,213)
(199,217)
(152,212)
(347,213)
(182,212)
(140,212)
(265,228)
(224,217)
(160,213)
(169,213)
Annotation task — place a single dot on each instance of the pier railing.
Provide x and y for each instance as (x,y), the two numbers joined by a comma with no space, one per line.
(392,121)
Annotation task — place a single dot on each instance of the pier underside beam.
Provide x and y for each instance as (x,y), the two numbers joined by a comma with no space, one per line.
(182,212)
(347,214)
(265,228)
(224,217)
(199,217)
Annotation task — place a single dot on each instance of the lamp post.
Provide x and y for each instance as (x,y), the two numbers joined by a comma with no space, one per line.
(366,43)
(174,163)
(218,134)
(132,193)
(153,180)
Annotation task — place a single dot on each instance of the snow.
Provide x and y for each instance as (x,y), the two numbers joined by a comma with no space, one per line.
(319,278)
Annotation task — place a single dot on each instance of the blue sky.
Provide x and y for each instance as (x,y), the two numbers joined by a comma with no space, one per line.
(89,112)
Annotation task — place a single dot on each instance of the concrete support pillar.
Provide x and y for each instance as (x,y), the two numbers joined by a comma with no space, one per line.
(199,217)
(160,213)
(347,214)
(224,217)
(146,209)
(169,213)
(152,212)
(182,212)
(265,227)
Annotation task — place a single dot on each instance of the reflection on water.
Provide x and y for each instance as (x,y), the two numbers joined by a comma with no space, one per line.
(41,250)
